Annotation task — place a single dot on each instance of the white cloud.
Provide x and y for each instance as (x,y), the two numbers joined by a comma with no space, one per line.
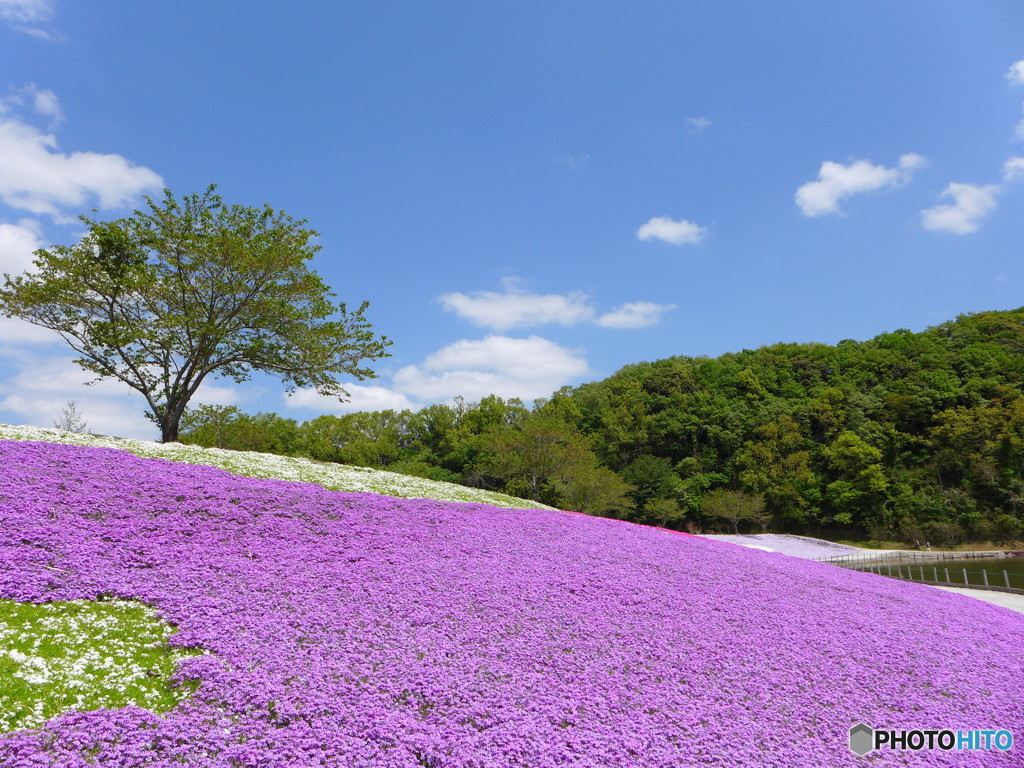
(1013,170)
(37,390)
(837,181)
(573,162)
(1016,73)
(15,331)
(637,314)
(524,368)
(698,124)
(971,203)
(514,307)
(1016,77)
(674,232)
(18,243)
(26,10)
(41,101)
(26,15)
(211,394)
(46,104)
(361,398)
(36,178)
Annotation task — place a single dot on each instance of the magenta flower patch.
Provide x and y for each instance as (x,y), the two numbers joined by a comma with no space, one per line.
(360,630)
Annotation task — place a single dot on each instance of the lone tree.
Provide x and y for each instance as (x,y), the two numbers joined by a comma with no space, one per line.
(71,419)
(164,298)
(736,507)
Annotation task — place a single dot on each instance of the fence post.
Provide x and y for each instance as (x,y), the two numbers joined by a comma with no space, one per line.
(935,573)
(984,576)
(965,575)
(947,574)
(1006,579)
(922,573)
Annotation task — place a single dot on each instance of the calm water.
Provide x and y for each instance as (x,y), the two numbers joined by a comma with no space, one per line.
(994,566)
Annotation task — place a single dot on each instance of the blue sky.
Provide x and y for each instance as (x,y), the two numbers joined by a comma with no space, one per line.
(533,194)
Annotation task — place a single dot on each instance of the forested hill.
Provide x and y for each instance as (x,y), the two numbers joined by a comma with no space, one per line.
(918,436)
(912,430)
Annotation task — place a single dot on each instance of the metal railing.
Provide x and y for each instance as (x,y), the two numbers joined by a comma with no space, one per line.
(906,556)
(996,579)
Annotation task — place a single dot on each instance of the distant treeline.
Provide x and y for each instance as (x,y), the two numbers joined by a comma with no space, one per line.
(912,436)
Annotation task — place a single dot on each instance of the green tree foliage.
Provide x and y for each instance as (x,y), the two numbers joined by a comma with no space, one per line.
(531,456)
(776,464)
(166,297)
(214,426)
(540,455)
(594,490)
(907,430)
(911,435)
(736,508)
(854,495)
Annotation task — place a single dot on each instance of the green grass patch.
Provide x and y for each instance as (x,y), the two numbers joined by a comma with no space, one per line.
(84,655)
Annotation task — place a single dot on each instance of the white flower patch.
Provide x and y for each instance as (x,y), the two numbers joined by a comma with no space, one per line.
(336,477)
(80,659)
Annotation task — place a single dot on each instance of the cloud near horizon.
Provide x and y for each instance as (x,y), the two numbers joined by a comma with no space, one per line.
(362,397)
(836,182)
(680,232)
(496,365)
(38,388)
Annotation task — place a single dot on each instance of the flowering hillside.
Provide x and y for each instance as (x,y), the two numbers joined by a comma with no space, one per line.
(347,629)
(337,477)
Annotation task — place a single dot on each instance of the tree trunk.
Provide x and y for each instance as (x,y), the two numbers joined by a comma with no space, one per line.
(169,430)
(171,420)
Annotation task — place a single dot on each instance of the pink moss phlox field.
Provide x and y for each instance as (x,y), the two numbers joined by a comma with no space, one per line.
(362,630)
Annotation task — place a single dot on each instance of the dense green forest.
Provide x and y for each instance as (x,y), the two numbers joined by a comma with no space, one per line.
(911,436)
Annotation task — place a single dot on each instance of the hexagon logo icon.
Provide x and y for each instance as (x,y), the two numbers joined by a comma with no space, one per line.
(862,738)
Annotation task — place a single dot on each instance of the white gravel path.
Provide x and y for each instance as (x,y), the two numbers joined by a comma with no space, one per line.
(1009,600)
(806,547)
(796,546)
